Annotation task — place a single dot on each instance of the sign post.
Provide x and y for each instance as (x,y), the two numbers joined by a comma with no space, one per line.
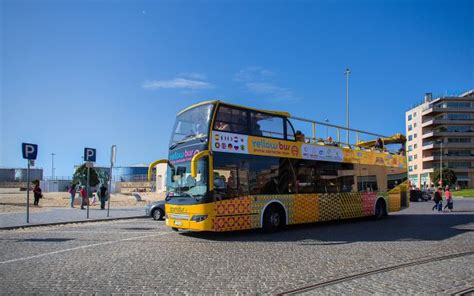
(112,162)
(89,158)
(29,151)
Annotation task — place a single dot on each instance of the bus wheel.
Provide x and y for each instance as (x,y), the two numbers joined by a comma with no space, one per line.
(380,210)
(273,218)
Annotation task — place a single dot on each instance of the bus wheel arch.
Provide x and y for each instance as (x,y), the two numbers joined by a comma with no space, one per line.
(274,215)
(380,208)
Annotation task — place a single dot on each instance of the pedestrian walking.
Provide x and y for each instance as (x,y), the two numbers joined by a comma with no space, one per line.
(84,198)
(449,199)
(102,196)
(438,199)
(37,193)
(72,192)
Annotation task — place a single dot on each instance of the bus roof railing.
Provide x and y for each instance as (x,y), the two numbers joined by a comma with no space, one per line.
(338,141)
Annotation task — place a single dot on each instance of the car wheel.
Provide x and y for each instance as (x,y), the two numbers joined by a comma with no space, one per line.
(419,199)
(158,214)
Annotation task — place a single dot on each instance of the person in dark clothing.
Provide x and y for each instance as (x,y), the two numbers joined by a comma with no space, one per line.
(437,198)
(37,193)
(102,196)
(379,144)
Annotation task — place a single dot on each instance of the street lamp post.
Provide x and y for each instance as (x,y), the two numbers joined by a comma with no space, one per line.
(52,165)
(441,164)
(347,72)
(327,128)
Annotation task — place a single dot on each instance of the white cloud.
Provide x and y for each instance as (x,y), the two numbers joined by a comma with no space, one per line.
(270,90)
(177,83)
(253,73)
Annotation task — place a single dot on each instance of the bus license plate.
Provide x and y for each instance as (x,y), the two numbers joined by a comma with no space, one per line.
(179,223)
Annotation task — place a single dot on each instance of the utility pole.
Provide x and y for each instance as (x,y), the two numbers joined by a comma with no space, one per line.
(52,165)
(347,72)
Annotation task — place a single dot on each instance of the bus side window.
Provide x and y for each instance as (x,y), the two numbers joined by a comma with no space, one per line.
(266,125)
(231,176)
(231,120)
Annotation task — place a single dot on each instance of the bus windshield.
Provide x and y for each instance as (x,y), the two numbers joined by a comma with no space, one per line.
(191,124)
(180,183)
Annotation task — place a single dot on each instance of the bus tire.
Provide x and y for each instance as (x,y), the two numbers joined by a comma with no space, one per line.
(273,218)
(380,209)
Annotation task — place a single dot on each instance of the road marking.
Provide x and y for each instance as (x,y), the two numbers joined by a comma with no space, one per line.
(83,247)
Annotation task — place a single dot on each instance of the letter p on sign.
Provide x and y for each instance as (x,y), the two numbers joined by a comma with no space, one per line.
(29,151)
(89,154)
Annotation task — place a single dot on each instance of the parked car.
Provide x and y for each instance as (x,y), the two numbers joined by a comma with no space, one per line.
(418,195)
(156,210)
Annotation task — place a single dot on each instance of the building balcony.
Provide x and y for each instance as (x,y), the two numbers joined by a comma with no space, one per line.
(434,145)
(448,158)
(456,170)
(436,110)
(432,134)
(434,122)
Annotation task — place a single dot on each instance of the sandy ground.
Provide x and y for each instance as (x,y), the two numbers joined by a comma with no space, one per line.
(13,200)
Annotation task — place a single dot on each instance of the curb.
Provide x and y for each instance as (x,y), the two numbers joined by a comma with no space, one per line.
(71,222)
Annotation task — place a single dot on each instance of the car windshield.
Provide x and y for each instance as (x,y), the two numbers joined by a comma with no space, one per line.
(182,184)
(192,124)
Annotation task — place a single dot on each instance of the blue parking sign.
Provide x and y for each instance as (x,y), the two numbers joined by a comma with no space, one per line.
(89,154)
(29,151)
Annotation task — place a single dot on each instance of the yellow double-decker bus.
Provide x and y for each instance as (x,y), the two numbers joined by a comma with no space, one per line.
(232,168)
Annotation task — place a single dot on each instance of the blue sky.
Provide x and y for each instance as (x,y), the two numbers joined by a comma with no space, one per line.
(78,74)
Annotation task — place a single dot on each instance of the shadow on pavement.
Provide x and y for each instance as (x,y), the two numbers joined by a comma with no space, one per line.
(432,227)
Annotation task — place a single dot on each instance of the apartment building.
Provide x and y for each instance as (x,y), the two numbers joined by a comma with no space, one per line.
(442,125)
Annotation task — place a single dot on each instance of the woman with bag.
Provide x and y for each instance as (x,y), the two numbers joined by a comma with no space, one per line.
(37,192)
(449,199)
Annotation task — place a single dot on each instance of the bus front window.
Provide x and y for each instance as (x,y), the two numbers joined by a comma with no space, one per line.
(191,124)
(182,184)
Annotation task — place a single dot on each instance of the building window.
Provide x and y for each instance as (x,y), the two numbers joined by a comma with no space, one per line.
(414,115)
(409,117)
(416,156)
(415,167)
(415,135)
(410,148)
(410,168)
(414,125)
(410,138)
(410,158)
(410,127)
(459,140)
(416,146)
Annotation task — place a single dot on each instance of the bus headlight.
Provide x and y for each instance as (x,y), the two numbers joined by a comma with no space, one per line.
(199,218)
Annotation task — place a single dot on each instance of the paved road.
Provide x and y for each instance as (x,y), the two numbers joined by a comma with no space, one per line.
(143,256)
(60,215)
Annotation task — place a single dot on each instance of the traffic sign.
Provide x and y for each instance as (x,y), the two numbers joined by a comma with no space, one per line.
(30,151)
(89,154)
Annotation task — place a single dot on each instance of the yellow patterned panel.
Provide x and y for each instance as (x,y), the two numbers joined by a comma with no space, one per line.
(394,202)
(229,223)
(329,206)
(259,201)
(351,204)
(305,208)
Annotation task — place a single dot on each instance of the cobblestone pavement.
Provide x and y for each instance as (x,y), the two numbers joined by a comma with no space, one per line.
(57,215)
(143,256)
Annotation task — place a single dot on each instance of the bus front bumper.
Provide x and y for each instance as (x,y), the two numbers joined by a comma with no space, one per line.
(205,225)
